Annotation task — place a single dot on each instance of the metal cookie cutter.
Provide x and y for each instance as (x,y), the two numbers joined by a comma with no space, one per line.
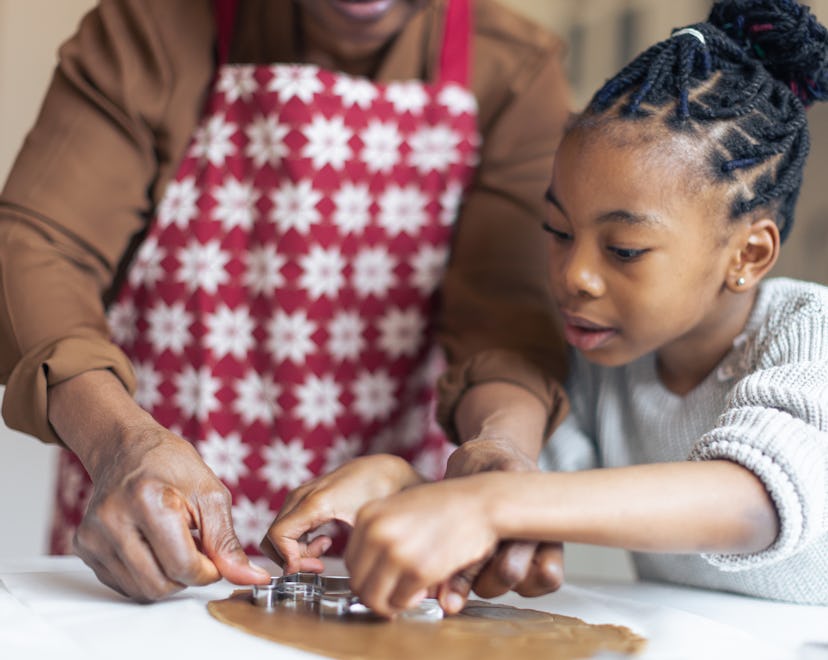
(329,596)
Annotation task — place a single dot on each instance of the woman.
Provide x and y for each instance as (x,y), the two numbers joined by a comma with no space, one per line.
(267,239)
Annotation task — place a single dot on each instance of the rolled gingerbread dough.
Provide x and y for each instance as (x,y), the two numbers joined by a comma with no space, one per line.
(481,630)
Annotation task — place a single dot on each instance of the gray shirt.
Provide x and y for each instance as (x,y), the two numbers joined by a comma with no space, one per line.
(765,406)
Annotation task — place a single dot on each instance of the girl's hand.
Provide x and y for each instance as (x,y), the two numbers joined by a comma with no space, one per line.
(529,568)
(408,542)
(337,495)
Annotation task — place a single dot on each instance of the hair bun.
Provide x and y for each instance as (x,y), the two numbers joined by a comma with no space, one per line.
(784,36)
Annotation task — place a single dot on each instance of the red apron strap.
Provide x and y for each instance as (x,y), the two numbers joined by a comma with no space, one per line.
(455,56)
(225,17)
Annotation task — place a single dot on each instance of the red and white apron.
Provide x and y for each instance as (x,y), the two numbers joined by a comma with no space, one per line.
(279,312)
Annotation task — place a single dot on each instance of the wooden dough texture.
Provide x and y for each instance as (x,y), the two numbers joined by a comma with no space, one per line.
(481,630)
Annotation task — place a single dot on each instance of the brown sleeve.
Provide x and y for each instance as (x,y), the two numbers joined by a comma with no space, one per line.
(497,321)
(122,104)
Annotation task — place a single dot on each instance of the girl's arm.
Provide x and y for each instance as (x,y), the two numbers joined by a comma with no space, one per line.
(411,541)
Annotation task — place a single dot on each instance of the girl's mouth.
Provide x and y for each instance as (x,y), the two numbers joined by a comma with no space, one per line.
(586,335)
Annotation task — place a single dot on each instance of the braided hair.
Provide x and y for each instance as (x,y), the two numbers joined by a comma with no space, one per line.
(741,82)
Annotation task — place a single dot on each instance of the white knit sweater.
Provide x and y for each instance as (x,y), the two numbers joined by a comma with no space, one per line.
(765,407)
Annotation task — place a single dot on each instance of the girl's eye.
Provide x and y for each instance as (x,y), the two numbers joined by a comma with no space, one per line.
(559,235)
(626,254)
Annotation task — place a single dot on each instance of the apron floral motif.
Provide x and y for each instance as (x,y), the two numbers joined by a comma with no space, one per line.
(279,312)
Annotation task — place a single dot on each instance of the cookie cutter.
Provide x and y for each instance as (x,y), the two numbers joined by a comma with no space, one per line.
(329,596)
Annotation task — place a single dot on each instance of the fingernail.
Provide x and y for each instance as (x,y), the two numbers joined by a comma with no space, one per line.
(326,545)
(454,602)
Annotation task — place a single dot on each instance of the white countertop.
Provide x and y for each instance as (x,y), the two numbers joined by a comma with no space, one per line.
(53,607)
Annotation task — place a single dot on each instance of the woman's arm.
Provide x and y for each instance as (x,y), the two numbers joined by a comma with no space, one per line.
(419,538)
(121,107)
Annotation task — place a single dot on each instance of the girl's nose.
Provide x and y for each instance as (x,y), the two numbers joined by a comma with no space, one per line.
(581,276)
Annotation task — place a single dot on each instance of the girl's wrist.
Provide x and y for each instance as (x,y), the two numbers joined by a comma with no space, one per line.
(498,494)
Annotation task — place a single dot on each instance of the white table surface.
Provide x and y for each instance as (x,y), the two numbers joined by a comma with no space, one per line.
(53,607)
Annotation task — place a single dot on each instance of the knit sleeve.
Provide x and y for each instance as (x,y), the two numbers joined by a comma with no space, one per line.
(776,425)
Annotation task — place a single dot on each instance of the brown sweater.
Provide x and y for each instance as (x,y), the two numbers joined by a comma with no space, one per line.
(125,98)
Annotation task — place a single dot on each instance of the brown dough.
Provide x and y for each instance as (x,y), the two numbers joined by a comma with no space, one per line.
(481,630)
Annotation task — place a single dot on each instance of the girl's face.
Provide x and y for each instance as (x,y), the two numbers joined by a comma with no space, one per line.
(359,25)
(639,256)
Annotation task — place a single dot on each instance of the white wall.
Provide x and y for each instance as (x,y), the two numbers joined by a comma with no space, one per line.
(30,31)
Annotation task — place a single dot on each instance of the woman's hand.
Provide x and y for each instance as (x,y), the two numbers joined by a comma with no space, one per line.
(334,496)
(409,542)
(159,519)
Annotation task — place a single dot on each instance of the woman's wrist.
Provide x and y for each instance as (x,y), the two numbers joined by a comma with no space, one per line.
(502,410)
(92,414)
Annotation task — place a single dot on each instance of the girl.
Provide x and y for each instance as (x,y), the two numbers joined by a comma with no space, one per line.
(699,389)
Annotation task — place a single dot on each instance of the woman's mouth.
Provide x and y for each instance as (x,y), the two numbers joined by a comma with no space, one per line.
(584,334)
(363,10)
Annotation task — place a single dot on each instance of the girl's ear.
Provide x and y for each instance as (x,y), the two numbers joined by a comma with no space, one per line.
(758,251)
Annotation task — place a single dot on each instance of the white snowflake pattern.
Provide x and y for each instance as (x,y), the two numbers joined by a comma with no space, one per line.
(203,266)
(237,82)
(431,463)
(146,268)
(328,142)
(434,148)
(295,81)
(294,206)
(407,96)
(381,150)
(213,140)
(429,264)
(179,204)
(401,332)
(266,141)
(458,100)
(169,327)
(353,204)
(374,271)
(264,270)
(235,204)
(289,336)
(355,91)
(322,272)
(318,401)
(340,452)
(330,528)
(225,456)
(450,203)
(402,210)
(148,384)
(229,331)
(373,395)
(121,318)
(346,340)
(256,398)
(411,429)
(196,392)
(286,464)
(427,372)
(251,520)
